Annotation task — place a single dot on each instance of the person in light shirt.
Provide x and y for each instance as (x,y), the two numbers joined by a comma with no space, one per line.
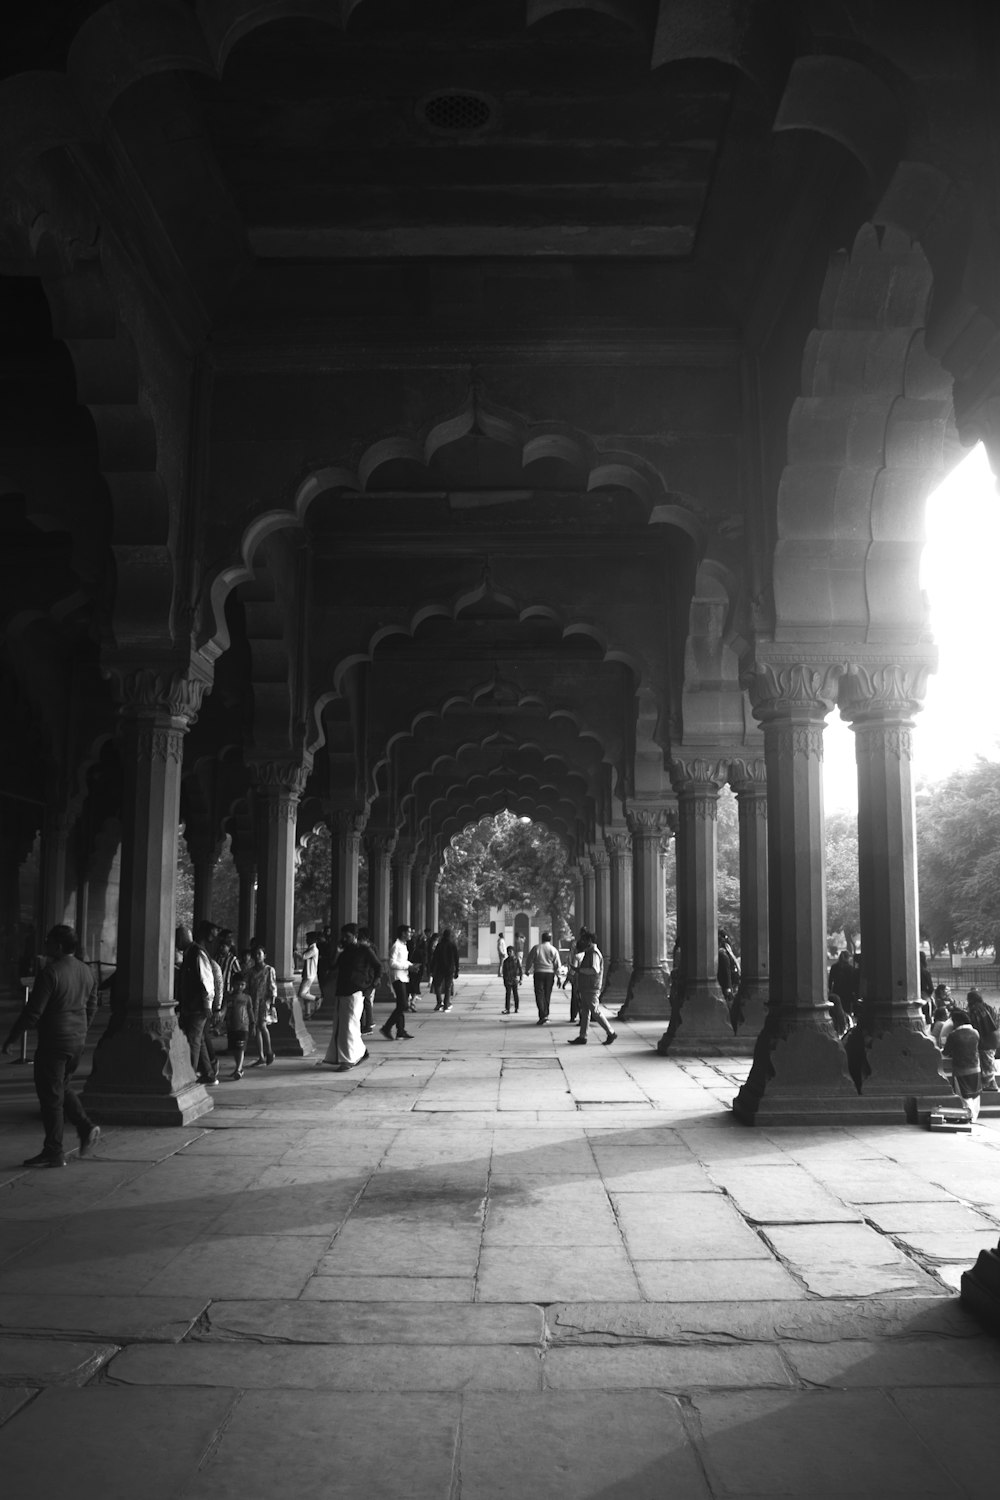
(543,964)
(399,971)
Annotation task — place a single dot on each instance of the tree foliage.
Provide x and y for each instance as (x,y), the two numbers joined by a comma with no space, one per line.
(843,902)
(505,861)
(958,850)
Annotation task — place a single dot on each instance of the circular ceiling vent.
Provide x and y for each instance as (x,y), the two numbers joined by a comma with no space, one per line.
(456,112)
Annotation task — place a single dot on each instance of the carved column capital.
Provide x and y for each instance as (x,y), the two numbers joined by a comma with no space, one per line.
(599,856)
(585,866)
(619,843)
(795,688)
(650,820)
(381,842)
(883,690)
(347,820)
(276,776)
(160,691)
(697,773)
(748,776)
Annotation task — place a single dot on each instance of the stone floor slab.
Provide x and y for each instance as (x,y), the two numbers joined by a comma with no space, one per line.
(781,1195)
(306,1443)
(382,1246)
(386,1288)
(826,1445)
(967,1446)
(928,1218)
(549,1273)
(551,1446)
(376,1323)
(47,1361)
(716,1281)
(261,1265)
(686,1226)
(381,1368)
(168,1433)
(902,1362)
(677,1369)
(846,1260)
(120,1319)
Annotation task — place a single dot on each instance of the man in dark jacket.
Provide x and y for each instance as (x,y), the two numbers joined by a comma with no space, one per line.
(60,1007)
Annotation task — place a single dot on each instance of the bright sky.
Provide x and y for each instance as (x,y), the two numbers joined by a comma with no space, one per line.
(961,715)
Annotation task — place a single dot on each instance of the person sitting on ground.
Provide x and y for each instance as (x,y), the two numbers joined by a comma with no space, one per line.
(511,974)
(986,1021)
(239,1022)
(544,965)
(589,982)
(962,1046)
(444,969)
(941,1024)
(60,1008)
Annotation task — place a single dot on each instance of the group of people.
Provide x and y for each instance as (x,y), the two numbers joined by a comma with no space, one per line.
(216,991)
(585,975)
(349,974)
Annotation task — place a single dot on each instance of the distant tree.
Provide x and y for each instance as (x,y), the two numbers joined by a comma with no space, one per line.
(313,875)
(843,910)
(727,865)
(505,861)
(958,848)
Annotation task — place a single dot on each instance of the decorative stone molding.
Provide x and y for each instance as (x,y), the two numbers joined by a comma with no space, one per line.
(650,821)
(273,776)
(794,687)
(347,820)
(381,842)
(152,742)
(748,776)
(884,690)
(689,775)
(599,856)
(161,691)
(619,843)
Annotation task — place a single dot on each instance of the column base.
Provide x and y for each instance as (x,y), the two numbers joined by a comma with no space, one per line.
(142,1075)
(290,1036)
(800,1077)
(648,996)
(616,988)
(701,1026)
(902,1065)
(752,1002)
(981,1289)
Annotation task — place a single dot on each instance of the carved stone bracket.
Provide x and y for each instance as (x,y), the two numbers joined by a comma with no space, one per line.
(347,820)
(695,773)
(161,690)
(281,776)
(381,842)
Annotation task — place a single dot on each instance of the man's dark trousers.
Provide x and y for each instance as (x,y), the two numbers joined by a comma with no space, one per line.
(54,1067)
(543,993)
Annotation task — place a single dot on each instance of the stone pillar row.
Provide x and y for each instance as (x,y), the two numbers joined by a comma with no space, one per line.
(278,788)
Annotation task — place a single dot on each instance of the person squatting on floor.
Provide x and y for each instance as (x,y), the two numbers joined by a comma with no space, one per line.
(355,972)
(444,969)
(588,982)
(60,1008)
(262,987)
(510,973)
(399,973)
(200,991)
(544,965)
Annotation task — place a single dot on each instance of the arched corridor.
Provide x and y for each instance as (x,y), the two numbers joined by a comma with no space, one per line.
(487,1263)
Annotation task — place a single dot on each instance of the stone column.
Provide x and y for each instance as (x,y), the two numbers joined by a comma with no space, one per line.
(601,864)
(142,1072)
(380,844)
(279,788)
(56,828)
(619,955)
(798,1058)
(649,983)
(589,886)
(204,852)
(418,893)
(748,779)
(702,1020)
(579,919)
(402,876)
(245,860)
(347,825)
(433,901)
(879,700)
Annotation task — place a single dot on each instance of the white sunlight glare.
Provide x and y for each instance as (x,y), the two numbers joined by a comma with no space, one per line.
(961,715)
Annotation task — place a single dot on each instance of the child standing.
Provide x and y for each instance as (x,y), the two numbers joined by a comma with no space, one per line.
(239,1021)
(511,974)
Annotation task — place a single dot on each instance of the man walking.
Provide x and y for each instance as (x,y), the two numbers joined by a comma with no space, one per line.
(198,985)
(60,1007)
(543,965)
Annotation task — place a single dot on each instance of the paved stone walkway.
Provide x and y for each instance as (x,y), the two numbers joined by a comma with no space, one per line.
(487,1263)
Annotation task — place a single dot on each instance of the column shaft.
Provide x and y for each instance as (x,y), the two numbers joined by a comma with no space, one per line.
(142,1070)
(601,862)
(402,876)
(619,843)
(589,886)
(649,983)
(798,1045)
(903,1059)
(750,784)
(418,895)
(347,826)
(379,846)
(280,788)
